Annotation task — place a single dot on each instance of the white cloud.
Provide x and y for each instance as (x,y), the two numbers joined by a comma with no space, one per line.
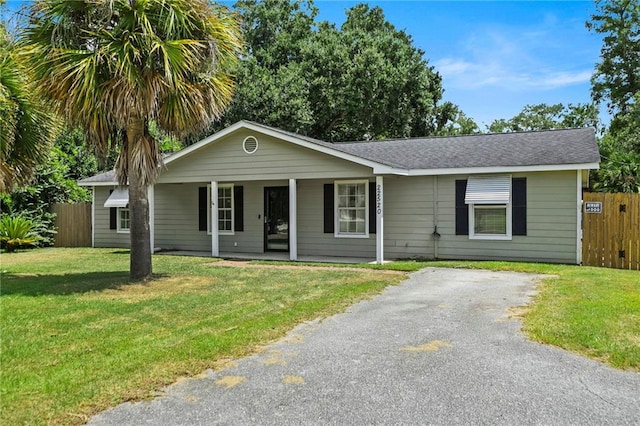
(515,59)
(464,74)
(562,79)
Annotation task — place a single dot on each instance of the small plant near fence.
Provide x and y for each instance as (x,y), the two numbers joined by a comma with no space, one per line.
(18,232)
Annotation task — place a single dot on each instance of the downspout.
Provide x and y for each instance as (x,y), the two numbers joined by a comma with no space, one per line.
(435,234)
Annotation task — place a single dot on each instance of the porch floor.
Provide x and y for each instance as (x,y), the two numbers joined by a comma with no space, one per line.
(270,256)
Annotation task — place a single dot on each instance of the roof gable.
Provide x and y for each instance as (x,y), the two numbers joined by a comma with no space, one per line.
(567,149)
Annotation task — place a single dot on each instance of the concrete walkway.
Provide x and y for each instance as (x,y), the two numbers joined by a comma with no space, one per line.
(441,348)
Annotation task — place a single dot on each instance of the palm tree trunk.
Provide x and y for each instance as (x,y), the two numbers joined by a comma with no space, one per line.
(140,257)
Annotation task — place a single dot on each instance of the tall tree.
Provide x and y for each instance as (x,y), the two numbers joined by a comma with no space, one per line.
(27,128)
(364,80)
(369,81)
(271,81)
(617,76)
(546,117)
(616,81)
(112,66)
(620,150)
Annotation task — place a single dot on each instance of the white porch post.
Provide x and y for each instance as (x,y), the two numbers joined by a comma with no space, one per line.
(579,219)
(379,200)
(293,220)
(215,243)
(152,214)
(93,216)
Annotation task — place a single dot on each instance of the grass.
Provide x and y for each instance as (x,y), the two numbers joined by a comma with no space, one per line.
(77,337)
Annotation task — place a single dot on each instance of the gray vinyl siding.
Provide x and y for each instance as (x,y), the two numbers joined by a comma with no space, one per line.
(225,160)
(103,236)
(408,217)
(551,223)
(312,241)
(176,219)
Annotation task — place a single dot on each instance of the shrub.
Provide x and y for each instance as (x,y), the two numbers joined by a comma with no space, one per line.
(17,231)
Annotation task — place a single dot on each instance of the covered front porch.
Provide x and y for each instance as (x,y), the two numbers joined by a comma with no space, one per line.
(271,220)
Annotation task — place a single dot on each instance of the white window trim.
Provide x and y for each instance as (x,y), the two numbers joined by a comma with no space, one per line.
(119,229)
(336,216)
(233,210)
(503,237)
(485,202)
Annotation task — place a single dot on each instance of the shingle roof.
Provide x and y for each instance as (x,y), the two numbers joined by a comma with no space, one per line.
(541,148)
(551,147)
(109,176)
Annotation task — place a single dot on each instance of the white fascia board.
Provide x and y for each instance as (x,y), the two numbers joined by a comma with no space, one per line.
(273,133)
(90,184)
(501,169)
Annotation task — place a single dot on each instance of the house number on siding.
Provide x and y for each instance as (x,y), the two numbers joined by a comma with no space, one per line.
(378,199)
(594,207)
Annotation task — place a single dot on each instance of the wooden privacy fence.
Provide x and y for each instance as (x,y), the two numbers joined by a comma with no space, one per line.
(611,230)
(73,222)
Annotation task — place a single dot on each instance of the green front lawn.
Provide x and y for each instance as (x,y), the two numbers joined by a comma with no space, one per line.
(78,338)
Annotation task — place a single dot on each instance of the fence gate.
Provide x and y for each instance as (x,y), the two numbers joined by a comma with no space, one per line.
(73,222)
(611,230)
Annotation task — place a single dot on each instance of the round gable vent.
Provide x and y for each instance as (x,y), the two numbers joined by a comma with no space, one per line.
(250,144)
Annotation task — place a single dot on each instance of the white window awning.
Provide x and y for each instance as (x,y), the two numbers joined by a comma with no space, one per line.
(488,190)
(118,198)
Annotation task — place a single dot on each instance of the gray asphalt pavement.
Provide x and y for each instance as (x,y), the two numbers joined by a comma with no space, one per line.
(441,348)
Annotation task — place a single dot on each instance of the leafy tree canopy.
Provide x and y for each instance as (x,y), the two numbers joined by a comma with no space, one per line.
(617,76)
(364,80)
(620,150)
(546,117)
(55,181)
(616,81)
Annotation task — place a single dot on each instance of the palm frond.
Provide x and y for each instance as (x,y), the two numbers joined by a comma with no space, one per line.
(27,126)
(105,63)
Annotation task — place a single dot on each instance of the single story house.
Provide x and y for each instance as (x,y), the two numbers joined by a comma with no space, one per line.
(252,189)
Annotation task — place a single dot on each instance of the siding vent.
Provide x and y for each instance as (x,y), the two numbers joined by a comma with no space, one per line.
(250,144)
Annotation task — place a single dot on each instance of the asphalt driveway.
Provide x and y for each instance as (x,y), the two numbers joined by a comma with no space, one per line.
(442,348)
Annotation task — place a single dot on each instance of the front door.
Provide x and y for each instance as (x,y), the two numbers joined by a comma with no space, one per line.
(276,218)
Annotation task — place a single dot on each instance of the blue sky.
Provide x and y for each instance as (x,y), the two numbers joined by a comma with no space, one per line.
(495,57)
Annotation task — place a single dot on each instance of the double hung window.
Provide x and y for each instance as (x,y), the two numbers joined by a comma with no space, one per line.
(124,219)
(225,209)
(352,207)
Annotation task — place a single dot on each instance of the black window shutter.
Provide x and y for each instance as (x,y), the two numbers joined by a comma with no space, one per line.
(462,209)
(519,206)
(202,208)
(372,208)
(238,208)
(328,208)
(113,216)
